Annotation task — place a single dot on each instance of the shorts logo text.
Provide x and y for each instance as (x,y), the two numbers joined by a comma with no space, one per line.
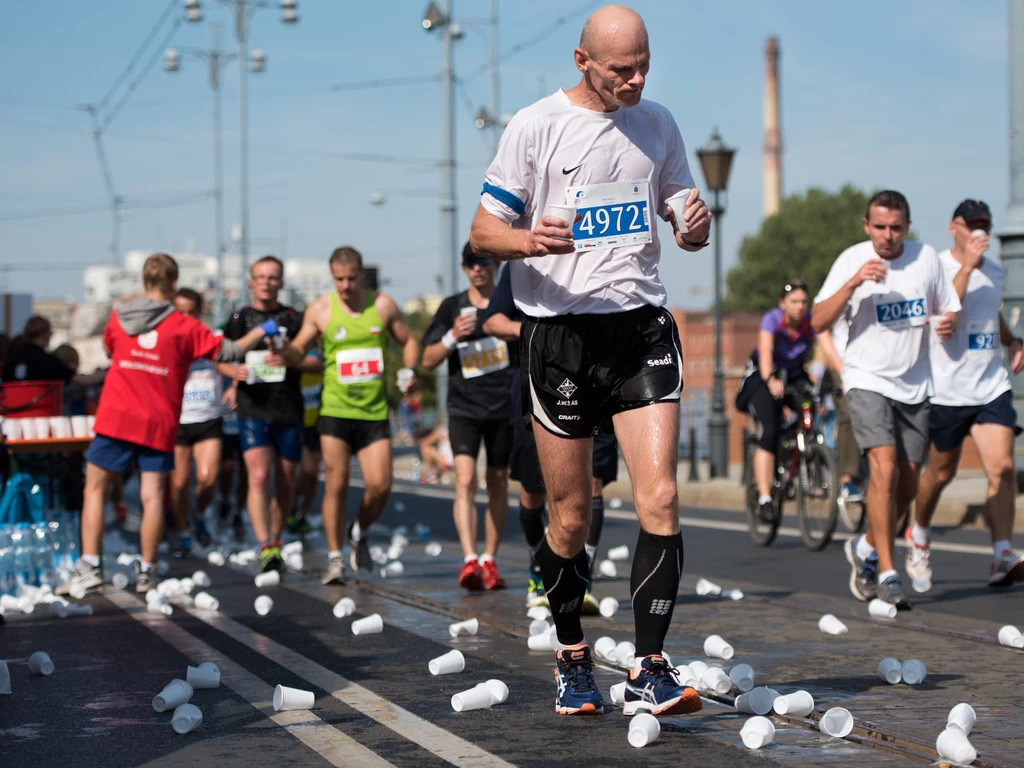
(567,388)
(666,360)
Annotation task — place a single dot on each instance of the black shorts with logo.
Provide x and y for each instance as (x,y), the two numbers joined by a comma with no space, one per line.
(190,434)
(525,464)
(466,435)
(356,432)
(580,370)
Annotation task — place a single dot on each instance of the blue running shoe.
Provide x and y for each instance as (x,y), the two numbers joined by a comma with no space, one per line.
(891,591)
(655,689)
(577,691)
(863,573)
(851,492)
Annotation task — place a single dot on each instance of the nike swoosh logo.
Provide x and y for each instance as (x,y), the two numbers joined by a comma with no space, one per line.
(570,170)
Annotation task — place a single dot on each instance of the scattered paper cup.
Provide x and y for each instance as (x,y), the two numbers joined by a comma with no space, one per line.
(39,664)
(498,689)
(344,607)
(625,653)
(775,694)
(292,547)
(608,607)
(433,549)
(392,569)
(799,704)
(954,745)
(716,648)
(716,680)
(186,586)
(962,718)
(394,552)
(619,553)
(268,579)
(705,587)
(203,676)
(604,648)
(890,670)
(836,722)
(757,732)
(292,698)
(207,602)
(466,628)
(370,625)
(215,558)
(201,580)
(742,676)
(165,608)
(450,663)
(185,718)
(539,627)
(678,205)
(5,679)
(1011,636)
(539,612)
(58,608)
(881,609)
(697,669)
(618,693)
(686,678)
(120,579)
(544,642)
(607,569)
(755,702)
(914,672)
(478,697)
(643,730)
(176,693)
(169,587)
(264,604)
(733,594)
(830,625)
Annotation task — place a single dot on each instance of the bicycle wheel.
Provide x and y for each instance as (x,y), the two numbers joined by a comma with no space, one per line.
(816,497)
(762,533)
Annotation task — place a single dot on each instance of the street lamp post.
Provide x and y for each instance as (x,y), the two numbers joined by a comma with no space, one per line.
(716,161)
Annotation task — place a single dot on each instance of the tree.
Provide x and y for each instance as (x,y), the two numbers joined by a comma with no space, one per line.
(800,242)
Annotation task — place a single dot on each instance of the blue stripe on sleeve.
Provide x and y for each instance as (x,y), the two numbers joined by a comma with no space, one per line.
(506,197)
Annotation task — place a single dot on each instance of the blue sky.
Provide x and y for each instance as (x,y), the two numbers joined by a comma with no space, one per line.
(910,95)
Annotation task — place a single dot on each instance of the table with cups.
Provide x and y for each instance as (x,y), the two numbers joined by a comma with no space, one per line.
(53,434)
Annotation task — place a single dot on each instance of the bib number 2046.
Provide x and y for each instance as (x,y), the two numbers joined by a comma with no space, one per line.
(895,311)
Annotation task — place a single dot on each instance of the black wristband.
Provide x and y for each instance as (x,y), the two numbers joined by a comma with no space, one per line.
(695,245)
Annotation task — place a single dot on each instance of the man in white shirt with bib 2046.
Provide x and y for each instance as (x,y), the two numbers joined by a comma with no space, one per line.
(598,345)
(889,291)
(972,397)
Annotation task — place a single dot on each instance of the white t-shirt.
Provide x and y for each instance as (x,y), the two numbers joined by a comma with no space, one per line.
(886,351)
(968,369)
(202,394)
(618,168)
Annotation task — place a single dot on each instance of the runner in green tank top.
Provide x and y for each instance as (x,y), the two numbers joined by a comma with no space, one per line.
(351,324)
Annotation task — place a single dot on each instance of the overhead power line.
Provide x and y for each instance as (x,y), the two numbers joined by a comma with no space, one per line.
(102,103)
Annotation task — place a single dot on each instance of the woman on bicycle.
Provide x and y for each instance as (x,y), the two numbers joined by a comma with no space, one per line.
(784,343)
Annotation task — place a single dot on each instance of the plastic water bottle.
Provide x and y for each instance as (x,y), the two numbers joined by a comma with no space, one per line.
(43,549)
(415,470)
(6,564)
(21,551)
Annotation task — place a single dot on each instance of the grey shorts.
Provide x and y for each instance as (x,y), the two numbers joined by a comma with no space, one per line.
(879,421)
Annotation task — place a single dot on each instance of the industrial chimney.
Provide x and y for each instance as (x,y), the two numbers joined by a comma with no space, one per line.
(772,130)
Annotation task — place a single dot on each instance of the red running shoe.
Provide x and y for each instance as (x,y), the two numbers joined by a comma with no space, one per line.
(471,576)
(492,579)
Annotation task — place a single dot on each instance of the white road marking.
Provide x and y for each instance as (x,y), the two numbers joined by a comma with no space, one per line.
(330,743)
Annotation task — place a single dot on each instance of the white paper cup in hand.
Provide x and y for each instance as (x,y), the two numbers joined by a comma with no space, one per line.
(39,664)
(264,604)
(344,607)
(207,602)
(619,553)
(954,745)
(799,704)
(268,579)
(604,648)
(203,676)
(479,697)
(716,680)
(836,722)
(755,702)
(466,628)
(1011,636)
(618,693)
(962,718)
(566,213)
(716,648)
(185,718)
(742,676)
(450,663)
(705,587)
(757,732)
(608,607)
(914,671)
(830,625)
(607,569)
(678,205)
(881,609)
(176,693)
(539,627)
(643,730)
(625,653)
(498,689)
(890,670)
(370,625)
(292,698)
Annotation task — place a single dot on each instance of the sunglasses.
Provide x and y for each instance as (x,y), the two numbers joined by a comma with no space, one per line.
(484,262)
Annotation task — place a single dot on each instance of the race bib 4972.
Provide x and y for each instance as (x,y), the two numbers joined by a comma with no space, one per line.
(612,214)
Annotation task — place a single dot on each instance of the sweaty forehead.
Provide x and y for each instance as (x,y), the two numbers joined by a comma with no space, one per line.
(885,216)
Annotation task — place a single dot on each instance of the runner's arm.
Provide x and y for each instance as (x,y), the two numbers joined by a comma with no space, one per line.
(493,238)
(501,326)
(828,348)
(765,353)
(1006,337)
(399,329)
(232,371)
(295,352)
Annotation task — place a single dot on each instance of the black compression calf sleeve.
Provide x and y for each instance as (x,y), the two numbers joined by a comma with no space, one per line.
(596,524)
(565,581)
(653,583)
(532,521)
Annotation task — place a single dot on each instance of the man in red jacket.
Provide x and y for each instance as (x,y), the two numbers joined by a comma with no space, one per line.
(151,346)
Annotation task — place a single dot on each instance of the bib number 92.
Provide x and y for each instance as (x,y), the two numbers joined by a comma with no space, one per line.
(894,312)
(981,342)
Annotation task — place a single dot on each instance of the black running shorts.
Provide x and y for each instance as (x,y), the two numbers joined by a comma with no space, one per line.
(190,434)
(580,370)
(525,464)
(356,432)
(466,435)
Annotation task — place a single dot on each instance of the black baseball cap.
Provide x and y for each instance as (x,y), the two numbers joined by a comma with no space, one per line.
(972,210)
(470,259)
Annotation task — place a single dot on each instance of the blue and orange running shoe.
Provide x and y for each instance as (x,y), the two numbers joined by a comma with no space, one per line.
(577,691)
(654,689)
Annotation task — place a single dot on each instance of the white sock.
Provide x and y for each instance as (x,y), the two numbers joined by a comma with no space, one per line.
(485,558)
(93,560)
(763,499)
(591,550)
(331,554)
(921,536)
(357,532)
(864,550)
(147,567)
(469,558)
(1000,546)
(886,575)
